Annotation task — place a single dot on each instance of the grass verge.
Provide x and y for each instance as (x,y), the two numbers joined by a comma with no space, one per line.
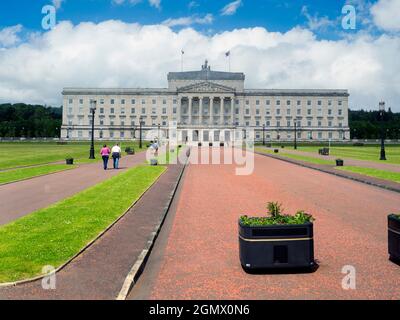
(295,156)
(53,235)
(26,173)
(376,173)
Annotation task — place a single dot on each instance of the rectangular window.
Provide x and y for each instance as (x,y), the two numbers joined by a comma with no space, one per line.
(329,111)
(309,102)
(174,110)
(133,101)
(309,112)
(278,102)
(133,110)
(340,112)
(111,134)
(330,123)
(80,101)
(154,101)
(268,123)
(164,110)
(101,110)
(101,101)
(298,112)
(70,101)
(257,111)
(112,101)
(257,123)
(268,102)
(247,111)
(122,134)
(278,123)
(340,102)
(112,110)
(153,111)
(288,112)
(175,101)
(319,135)
(80,134)
(70,110)
(319,124)
(122,123)
(80,110)
(329,102)
(278,111)
(111,123)
(123,101)
(288,102)
(288,123)
(143,101)
(299,102)
(143,110)
(257,102)
(102,122)
(164,101)
(309,123)
(319,102)
(122,110)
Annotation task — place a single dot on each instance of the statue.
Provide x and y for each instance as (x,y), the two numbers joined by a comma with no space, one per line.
(206,66)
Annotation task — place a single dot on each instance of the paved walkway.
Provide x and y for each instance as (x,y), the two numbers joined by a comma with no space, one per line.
(99,272)
(21,198)
(347,161)
(198,258)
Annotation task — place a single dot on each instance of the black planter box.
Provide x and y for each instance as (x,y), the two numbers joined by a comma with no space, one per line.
(339,162)
(221,144)
(199,144)
(210,144)
(394,237)
(69,161)
(276,246)
(276,150)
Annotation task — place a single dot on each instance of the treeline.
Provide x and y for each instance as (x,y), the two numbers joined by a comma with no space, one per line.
(37,121)
(29,121)
(367,124)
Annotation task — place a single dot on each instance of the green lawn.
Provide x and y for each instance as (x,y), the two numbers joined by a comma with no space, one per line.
(30,172)
(53,235)
(295,156)
(367,152)
(376,173)
(17,154)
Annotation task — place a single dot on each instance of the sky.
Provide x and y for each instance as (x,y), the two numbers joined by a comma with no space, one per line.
(353,44)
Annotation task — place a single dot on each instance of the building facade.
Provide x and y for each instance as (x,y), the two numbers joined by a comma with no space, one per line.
(207,106)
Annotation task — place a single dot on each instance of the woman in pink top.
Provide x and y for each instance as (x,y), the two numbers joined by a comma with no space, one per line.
(105,154)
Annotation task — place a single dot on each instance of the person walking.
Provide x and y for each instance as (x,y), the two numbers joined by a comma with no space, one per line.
(116,155)
(105,154)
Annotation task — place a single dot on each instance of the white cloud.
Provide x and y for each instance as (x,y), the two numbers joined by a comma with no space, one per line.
(231,8)
(118,54)
(315,22)
(9,36)
(386,15)
(187,21)
(155,3)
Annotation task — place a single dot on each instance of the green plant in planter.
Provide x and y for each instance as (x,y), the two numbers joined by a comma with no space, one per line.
(277,217)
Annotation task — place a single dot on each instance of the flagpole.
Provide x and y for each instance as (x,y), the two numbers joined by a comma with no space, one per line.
(182,53)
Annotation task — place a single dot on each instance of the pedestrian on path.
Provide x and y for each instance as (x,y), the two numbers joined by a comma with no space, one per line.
(105,154)
(116,155)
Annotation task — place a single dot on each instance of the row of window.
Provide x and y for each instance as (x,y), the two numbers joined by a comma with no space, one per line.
(247,102)
(308,135)
(247,111)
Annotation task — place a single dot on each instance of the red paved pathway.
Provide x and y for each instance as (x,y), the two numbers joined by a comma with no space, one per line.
(200,260)
(21,198)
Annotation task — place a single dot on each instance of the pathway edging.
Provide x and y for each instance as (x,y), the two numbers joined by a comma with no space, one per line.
(140,263)
(336,173)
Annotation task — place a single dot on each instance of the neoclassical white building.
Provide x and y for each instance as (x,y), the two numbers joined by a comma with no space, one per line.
(207,106)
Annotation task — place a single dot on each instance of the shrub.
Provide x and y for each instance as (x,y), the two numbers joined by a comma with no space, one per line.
(277,217)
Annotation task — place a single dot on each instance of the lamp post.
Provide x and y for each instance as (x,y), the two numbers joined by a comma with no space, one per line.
(381,113)
(263,134)
(295,134)
(93,111)
(140,133)
(158,134)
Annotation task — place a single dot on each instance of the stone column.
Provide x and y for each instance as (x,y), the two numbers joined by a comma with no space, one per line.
(201,101)
(211,110)
(190,109)
(221,115)
(232,111)
(178,111)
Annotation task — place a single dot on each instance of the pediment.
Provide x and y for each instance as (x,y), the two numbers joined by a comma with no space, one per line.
(206,87)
